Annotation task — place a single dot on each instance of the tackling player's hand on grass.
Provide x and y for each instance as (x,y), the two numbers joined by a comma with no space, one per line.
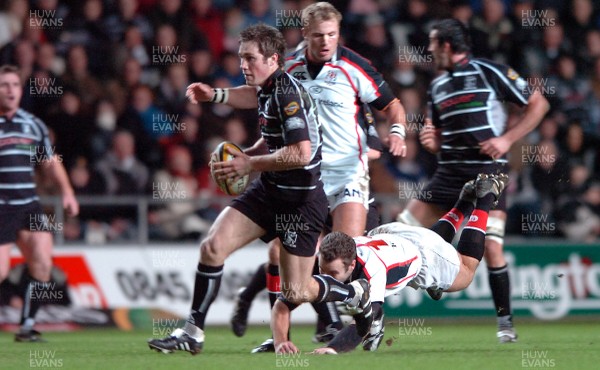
(286,347)
(199,92)
(324,351)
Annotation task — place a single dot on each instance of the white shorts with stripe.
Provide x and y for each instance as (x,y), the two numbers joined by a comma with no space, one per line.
(441,262)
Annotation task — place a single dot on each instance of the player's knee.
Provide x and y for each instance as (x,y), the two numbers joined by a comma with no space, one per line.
(406,217)
(40,269)
(495,231)
(210,251)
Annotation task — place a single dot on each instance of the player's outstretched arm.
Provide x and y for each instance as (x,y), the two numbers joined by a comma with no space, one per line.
(241,97)
(280,325)
(537,107)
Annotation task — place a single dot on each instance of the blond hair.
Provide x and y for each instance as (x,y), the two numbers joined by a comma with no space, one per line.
(318,12)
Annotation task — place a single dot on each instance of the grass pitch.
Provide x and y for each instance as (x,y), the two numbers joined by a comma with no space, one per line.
(437,346)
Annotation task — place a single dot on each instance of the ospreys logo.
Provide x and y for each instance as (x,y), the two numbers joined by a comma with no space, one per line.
(289,239)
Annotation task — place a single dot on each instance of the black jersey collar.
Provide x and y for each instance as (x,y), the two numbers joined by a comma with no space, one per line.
(461,64)
(270,83)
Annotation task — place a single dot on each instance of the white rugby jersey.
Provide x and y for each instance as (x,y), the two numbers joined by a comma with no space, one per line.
(339,89)
(388,261)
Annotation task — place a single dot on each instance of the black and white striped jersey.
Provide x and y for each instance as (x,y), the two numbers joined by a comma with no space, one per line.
(467,105)
(287,115)
(24,142)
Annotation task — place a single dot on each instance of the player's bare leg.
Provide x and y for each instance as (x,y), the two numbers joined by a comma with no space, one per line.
(350,218)
(419,213)
(36,247)
(4,260)
(230,231)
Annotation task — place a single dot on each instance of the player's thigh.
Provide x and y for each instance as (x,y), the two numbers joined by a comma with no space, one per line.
(350,218)
(232,230)
(297,284)
(36,247)
(274,248)
(4,260)
(465,274)
(424,213)
(494,249)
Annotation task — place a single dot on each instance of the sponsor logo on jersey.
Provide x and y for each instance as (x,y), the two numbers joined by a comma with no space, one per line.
(294,123)
(330,103)
(470,83)
(512,74)
(300,76)
(291,108)
(315,90)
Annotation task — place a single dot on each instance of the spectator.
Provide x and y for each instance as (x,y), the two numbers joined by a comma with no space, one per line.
(86,27)
(497,29)
(127,17)
(209,22)
(78,77)
(105,120)
(173,14)
(172,89)
(176,219)
(71,127)
(230,70)
(132,47)
(258,11)
(580,217)
(201,65)
(121,171)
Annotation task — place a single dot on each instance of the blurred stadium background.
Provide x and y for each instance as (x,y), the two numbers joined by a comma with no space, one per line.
(109,78)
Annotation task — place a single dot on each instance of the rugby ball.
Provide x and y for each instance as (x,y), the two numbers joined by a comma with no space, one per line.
(220,154)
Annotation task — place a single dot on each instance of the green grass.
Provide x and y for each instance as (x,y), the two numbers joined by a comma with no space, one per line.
(438,346)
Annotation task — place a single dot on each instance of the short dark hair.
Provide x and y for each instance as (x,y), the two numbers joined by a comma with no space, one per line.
(338,245)
(455,33)
(269,40)
(9,68)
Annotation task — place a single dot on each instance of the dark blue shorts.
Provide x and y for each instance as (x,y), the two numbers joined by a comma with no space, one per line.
(296,224)
(22,217)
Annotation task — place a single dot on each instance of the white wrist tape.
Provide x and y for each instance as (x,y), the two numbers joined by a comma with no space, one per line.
(398,129)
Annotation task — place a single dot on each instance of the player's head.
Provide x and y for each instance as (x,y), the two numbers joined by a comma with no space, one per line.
(337,255)
(11,89)
(321,30)
(261,52)
(447,38)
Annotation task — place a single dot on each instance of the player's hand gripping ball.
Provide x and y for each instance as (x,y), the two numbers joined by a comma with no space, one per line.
(220,154)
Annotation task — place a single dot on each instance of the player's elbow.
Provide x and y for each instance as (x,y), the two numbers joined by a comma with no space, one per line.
(540,102)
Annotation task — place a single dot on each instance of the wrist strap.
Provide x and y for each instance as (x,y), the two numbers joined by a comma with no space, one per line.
(398,129)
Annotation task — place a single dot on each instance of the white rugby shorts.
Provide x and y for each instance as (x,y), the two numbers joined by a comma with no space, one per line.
(441,262)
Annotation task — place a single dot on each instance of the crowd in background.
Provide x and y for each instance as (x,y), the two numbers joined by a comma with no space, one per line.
(108,77)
